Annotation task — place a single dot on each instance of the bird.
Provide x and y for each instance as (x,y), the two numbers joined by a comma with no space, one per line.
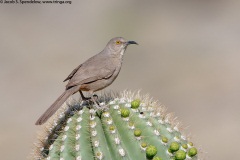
(93,75)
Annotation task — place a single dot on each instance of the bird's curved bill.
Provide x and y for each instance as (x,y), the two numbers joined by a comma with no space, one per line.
(131,42)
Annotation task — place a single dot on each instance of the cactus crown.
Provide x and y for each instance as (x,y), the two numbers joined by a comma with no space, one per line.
(134,127)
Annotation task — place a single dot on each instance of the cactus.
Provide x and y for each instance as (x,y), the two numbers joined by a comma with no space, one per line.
(134,127)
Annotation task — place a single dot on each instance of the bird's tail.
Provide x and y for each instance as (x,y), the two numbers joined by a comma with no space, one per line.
(57,104)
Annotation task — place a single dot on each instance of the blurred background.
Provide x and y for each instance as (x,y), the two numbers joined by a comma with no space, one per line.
(187,58)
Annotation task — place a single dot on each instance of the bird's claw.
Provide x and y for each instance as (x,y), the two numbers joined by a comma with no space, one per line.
(101,108)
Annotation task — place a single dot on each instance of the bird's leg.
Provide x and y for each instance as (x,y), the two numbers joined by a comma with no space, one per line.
(95,97)
(98,106)
(84,98)
(95,102)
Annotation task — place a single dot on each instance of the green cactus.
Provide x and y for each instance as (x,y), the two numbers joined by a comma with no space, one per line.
(134,127)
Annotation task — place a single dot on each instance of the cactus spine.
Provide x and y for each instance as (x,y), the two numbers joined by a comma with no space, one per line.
(134,127)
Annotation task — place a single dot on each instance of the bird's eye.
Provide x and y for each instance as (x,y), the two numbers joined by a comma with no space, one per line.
(118,42)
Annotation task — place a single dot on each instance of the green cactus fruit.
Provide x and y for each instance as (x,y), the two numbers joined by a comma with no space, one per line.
(185,146)
(192,152)
(157,158)
(137,133)
(143,145)
(125,112)
(151,151)
(134,127)
(180,155)
(135,104)
(174,146)
(164,139)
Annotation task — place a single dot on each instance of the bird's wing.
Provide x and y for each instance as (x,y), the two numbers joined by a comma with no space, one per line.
(95,78)
(72,73)
(96,68)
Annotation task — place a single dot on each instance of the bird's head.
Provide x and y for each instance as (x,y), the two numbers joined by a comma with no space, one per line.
(118,45)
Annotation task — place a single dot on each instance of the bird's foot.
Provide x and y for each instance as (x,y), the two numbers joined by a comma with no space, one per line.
(95,97)
(88,99)
(101,107)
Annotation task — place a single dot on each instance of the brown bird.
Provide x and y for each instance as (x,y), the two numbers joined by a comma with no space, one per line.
(93,75)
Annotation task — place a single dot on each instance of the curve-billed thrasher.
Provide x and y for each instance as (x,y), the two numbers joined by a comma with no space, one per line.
(93,75)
